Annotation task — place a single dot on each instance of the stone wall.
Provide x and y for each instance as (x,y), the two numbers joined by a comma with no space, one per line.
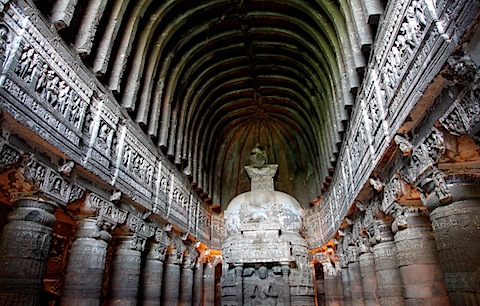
(45,88)
(412,47)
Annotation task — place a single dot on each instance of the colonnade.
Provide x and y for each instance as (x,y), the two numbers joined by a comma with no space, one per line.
(411,256)
(139,271)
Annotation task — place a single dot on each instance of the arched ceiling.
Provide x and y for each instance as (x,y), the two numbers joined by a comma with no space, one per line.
(208,80)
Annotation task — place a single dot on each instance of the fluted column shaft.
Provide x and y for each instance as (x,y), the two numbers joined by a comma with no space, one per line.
(198,284)
(209,285)
(186,286)
(420,270)
(171,283)
(369,279)
(24,248)
(152,275)
(125,275)
(457,231)
(86,265)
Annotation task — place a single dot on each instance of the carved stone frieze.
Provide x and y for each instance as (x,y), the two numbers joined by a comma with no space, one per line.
(464,113)
(413,31)
(140,227)
(94,228)
(45,82)
(376,222)
(377,184)
(57,91)
(329,269)
(50,182)
(106,210)
(162,237)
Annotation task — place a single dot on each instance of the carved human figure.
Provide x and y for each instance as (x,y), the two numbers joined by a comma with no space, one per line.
(263,292)
(25,61)
(105,135)
(76,110)
(63,94)
(164,185)
(36,69)
(51,88)
(127,155)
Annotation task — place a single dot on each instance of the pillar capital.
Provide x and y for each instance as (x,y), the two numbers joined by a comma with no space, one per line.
(214,260)
(409,217)
(176,251)
(24,247)
(190,257)
(130,242)
(459,187)
(95,228)
(34,208)
(156,251)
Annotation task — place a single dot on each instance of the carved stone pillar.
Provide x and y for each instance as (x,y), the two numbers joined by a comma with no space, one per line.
(24,247)
(344,276)
(356,287)
(171,282)
(152,274)
(369,279)
(209,284)
(86,264)
(457,231)
(186,279)
(422,276)
(125,275)
(198,284)
(386,266)
(347,293)
(171,278)
(186,286)
(333,293)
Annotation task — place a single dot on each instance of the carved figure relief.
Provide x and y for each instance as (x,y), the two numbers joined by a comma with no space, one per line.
(8,157)
(261,290)
(25,62)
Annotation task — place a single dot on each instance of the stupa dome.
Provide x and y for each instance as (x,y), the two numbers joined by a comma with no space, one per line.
(263,210)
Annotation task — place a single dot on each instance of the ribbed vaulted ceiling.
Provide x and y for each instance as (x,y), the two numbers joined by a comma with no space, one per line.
(208,80)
